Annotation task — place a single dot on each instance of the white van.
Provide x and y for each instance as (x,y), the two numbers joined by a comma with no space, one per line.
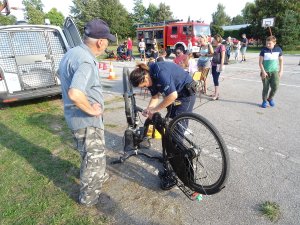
(30,57)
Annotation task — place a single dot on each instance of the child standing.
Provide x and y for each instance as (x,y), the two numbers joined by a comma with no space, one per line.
(237,50)
(271,66)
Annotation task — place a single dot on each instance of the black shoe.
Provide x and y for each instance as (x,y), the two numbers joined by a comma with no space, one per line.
(167,180)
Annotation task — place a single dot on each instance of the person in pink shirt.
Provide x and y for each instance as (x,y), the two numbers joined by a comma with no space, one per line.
(181,59)
(129,49)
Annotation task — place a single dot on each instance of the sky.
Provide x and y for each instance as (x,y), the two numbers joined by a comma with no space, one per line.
(195,9)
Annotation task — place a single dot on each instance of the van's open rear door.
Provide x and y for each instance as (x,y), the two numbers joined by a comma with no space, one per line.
(71,33)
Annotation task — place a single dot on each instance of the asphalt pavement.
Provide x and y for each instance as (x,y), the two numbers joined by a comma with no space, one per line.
(263,144)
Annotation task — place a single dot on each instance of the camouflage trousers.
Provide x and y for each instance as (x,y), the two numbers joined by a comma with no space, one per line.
(90,143)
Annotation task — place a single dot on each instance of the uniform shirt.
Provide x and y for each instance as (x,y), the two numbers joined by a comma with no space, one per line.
(78,69)
(271,56)
(167,77)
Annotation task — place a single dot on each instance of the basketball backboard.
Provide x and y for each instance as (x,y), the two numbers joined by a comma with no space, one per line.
(268,22)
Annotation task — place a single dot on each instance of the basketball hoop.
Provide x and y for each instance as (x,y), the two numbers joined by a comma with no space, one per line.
(268,23)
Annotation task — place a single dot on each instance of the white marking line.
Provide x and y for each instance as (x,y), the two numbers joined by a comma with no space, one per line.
(258,81)
(258,70)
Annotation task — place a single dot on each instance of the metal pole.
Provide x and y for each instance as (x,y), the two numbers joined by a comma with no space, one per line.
(270,31)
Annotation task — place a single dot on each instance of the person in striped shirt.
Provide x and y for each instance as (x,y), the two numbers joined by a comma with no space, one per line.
(271,66)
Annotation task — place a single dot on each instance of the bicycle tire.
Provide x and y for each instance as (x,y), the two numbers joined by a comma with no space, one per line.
(128,98)
(188,154)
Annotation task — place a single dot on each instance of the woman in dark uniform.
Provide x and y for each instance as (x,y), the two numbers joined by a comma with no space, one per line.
(171,81)
(176,85)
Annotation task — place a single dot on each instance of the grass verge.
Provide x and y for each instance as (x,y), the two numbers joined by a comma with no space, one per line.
(39,168)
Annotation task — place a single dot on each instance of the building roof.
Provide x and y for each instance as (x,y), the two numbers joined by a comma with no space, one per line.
(235,27)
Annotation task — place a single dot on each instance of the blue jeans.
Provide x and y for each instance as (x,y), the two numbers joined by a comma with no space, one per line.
(215,75)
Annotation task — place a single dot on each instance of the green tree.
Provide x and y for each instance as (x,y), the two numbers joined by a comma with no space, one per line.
(7,20)
(247,12)
(164,12)
(237,20)
(215,29)
(55,17)
(290,30)
(220,18)
(34,15)
(278,8)
(151,13)
(37,4)
(139,12)
(111,11)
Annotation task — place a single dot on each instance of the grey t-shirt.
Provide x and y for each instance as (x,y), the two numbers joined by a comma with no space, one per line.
(78,69)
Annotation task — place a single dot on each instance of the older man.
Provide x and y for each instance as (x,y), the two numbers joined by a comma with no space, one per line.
(84,105)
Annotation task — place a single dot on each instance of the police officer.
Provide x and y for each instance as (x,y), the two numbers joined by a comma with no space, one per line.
(171,81)
(176,85)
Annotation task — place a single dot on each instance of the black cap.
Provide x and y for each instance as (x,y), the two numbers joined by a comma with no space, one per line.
(98,29)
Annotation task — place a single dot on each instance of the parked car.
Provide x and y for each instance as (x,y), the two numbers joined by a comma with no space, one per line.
(30,57)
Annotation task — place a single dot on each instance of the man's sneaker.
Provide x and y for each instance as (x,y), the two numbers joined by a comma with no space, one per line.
(271,102)
(264,104)
(167,180)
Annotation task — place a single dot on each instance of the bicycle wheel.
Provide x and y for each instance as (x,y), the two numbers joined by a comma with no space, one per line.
(197,153)
(128,98)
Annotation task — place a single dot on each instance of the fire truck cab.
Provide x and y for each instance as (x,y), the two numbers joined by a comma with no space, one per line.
(171,35)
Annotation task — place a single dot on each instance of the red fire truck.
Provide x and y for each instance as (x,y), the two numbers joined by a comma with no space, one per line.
(171,35)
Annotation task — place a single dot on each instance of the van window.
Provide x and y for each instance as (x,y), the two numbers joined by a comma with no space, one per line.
(174,30)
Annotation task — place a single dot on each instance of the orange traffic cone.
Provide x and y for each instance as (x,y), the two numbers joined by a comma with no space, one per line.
(112,74)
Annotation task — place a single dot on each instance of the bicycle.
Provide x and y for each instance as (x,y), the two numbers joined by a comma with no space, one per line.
(195,160)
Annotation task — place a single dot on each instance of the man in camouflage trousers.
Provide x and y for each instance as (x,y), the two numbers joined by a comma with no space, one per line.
(84,105)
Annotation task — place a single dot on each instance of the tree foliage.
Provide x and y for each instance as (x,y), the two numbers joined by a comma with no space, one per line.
(164,12)
(151,13)
(220,18)
(247,11)
(111,11)
(55,17)
(281,11)
(290,30)
(215,29)
(237,20)
(139,12)
(37,4)
(7,20)
(35,16)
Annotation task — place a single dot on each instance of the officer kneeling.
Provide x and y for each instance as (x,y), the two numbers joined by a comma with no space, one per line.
(176,85)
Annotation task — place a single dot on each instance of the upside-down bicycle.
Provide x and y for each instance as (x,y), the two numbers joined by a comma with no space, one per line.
(194,155)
